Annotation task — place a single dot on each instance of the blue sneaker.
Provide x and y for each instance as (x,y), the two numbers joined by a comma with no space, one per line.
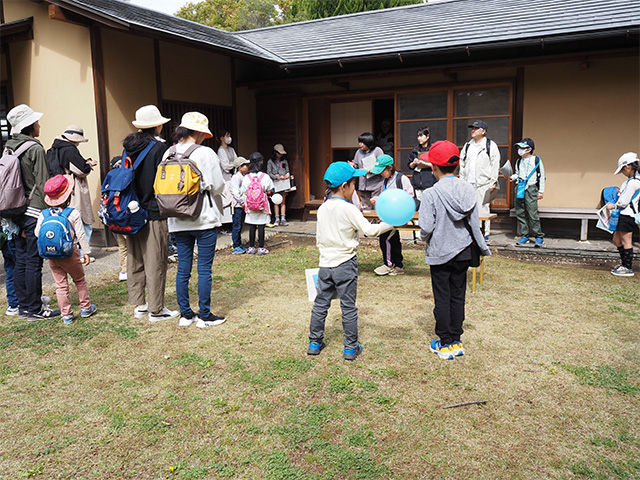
(352,353)
(315,348)
(87,312)
(67,319)
(239,251)
(457,348)
(522,241)
(539,242)
(443,351)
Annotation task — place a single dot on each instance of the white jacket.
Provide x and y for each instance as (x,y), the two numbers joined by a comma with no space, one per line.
(486,167)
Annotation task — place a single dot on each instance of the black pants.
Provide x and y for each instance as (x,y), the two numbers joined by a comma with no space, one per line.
(252,235)
(391,249)
(449,282)
(27,276)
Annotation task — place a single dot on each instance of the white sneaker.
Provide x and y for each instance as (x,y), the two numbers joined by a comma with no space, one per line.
(211,321)
(141,311)
(164,314)
(383,270)
(185,322)
(12,311)
(122,277)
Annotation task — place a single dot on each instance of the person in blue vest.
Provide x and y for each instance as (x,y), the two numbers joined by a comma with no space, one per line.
(529,171)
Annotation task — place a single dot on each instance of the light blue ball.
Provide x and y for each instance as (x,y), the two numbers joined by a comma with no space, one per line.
(395,207)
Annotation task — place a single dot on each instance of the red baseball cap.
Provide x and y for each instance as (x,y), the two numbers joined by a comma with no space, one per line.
(442,153)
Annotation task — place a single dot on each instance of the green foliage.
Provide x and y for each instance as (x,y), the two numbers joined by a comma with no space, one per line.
(236,15)
(604,377)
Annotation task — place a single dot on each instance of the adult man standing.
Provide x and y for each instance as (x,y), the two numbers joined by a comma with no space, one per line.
(25,127)
(479,164)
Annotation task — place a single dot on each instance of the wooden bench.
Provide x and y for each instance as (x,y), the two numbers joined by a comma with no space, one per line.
(582,214)
(310,208)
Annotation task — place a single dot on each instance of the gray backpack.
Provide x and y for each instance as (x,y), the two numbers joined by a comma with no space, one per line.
(13,201)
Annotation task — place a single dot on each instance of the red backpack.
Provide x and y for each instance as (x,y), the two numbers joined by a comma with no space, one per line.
(256,197)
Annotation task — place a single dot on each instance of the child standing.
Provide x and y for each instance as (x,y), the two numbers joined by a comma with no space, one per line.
(278,170)
(530,172)
(449,222)
(242,166)
(629,203)
(390,241)
(9,231)
(58,190)
(337,236)
(257,217)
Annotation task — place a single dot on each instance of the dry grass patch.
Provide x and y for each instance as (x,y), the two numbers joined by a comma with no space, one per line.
(553,350)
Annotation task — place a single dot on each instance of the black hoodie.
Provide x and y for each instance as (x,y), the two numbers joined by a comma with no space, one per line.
(61,155)
(146,172)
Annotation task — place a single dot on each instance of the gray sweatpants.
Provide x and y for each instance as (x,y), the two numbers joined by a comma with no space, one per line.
(344,280)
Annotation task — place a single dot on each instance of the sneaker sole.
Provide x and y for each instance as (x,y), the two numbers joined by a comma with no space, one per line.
(215,323)
(185,322)
(352,356)
(315,351)
(87,315)
(140,314)
(442,355)
(623,274)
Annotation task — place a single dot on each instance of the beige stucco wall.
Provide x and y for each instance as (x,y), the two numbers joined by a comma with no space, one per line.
(582,120)
(53,74)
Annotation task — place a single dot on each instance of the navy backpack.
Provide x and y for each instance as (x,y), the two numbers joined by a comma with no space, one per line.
(120,208)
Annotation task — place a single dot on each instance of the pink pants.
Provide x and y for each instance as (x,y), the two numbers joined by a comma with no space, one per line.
(72,266)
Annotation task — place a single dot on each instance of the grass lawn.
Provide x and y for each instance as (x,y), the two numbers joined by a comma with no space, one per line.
(554,351)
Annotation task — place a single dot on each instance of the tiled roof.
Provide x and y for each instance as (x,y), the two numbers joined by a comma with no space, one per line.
(435,27)
(140,17)
(441,25)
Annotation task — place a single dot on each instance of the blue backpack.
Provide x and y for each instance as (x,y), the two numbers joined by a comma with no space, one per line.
(120,208)
(56,236)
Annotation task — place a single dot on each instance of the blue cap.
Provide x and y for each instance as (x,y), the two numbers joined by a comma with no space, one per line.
(340,172)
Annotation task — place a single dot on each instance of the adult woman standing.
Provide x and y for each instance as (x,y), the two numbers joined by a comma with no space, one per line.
(365,158)
(422,177)
(201,229)
(227,155)
(278,170)
(147,249)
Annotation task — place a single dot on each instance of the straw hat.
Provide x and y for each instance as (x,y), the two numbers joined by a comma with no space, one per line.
(149,116)
(74,133)
(22,116)
(58,189)
(197,122)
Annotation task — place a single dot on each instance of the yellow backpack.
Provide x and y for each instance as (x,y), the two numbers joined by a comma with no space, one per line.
(177,185)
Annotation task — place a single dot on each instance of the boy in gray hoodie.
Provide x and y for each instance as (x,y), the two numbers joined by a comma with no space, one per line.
(449,223)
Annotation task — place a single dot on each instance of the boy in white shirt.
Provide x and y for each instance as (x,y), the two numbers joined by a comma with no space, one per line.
(242,166)
(339,224)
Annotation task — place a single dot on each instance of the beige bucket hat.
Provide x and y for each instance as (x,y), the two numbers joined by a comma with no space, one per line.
(149,116)
(74,133)
(197,122)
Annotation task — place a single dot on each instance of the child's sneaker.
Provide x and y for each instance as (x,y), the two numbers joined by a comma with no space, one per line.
(238,251)
(187,319)
(46,302)
(141,311)
(457,348)
(622,271)
(283,222)
(352,353)
(522,241)
(163,314)
(443,351)
(210,321)
(539,242)
(315,348)
(383,270)
(396,271)
(87,312)
(12,311)
(251,250)
(67,319)
(276,223)
(43,314)
(122,277)
(263,251)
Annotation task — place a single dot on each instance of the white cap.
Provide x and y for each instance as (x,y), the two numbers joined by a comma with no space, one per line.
(626,159)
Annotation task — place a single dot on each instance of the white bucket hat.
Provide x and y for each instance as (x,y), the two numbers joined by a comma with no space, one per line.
(626,159)
(74,133)
(149,116)
(196,121)
(22,116)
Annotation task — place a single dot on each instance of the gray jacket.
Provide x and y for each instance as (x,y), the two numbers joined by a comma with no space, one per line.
(442,223)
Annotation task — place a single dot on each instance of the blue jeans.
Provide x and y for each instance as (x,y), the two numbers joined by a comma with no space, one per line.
(206,240)
(236,232)
(9,254)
